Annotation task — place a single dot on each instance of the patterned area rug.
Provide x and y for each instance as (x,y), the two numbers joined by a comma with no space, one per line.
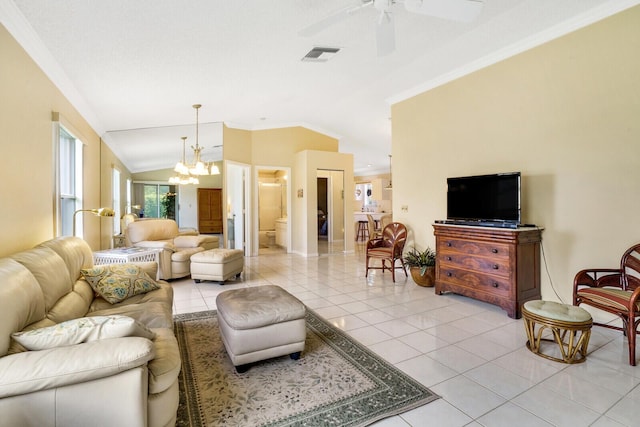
(336,381)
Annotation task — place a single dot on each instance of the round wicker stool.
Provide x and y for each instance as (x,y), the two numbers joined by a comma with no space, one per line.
(569,326)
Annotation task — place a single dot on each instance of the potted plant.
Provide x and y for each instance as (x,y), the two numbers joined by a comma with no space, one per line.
(422,265)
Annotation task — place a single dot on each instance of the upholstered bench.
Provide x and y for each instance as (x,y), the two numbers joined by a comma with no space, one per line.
(259,323)
(217,264)
(560,320)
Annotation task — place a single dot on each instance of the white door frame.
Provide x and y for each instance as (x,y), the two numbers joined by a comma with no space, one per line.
(231,200)
(255,226)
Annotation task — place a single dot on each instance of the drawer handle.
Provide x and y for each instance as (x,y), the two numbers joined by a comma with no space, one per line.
(448,258)
(496,266)
(448,244)
(495,284)
(449,274)
(494,250)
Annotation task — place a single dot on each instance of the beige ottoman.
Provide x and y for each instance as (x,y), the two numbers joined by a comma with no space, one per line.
(217,264)
(259,323)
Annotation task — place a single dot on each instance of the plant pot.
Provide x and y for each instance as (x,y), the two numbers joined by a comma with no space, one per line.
(427,279)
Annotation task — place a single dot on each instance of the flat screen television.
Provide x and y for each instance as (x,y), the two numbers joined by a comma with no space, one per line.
(490,200)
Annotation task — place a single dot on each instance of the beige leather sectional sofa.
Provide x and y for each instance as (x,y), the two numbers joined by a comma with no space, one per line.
(175,248)
(125,381)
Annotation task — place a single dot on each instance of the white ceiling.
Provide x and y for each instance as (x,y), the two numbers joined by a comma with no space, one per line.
(134,68)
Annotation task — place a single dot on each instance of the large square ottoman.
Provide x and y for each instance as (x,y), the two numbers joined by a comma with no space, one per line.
(217,264)
(259,323)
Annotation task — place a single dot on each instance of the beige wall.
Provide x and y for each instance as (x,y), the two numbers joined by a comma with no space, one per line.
(237,145)
(27,101)
(565,114)
(277,147)
(273,147)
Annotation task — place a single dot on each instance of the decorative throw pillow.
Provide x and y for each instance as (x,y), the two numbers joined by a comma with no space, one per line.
(117,282)
(81,330)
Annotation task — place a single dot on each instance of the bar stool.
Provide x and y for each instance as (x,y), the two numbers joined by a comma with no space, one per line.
(363,230)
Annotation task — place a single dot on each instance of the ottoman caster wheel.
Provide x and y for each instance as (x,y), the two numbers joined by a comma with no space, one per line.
(238,275)
(241,369)
(295,356)
(197,280)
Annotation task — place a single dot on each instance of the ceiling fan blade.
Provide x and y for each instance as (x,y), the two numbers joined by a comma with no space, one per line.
(385,34)
(453,10)
(333,19)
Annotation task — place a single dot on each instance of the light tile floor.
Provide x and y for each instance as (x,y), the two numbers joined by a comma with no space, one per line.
(470,353)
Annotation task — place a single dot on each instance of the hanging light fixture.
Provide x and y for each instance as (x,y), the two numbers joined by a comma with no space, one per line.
(197,167)
(183,176)
(187,173)
(389,187)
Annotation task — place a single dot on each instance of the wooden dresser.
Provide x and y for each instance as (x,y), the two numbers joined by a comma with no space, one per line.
(495,265)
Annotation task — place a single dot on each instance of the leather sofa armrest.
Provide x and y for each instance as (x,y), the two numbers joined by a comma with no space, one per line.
(188,241)
(156,244)
(31,371)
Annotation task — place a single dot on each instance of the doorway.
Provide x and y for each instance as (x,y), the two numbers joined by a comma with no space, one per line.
(272,201)
(331,211)
(323,208)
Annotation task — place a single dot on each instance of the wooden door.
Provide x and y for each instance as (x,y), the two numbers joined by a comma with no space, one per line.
(210,210)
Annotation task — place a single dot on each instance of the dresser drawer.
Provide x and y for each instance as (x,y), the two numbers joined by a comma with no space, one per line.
(488,249)
(497,265)
(475,281)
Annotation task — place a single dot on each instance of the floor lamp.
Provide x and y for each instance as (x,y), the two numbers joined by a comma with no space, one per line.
(96,212)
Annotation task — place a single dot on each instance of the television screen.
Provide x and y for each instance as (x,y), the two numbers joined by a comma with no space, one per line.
(485,198)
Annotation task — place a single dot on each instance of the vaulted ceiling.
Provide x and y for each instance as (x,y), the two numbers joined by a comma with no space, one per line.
(134,68)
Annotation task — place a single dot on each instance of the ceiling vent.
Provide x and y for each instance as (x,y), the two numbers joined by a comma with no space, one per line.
(321,54)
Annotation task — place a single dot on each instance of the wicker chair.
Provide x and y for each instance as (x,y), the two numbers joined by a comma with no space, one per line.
(374,231)
(388,248)
(616,291)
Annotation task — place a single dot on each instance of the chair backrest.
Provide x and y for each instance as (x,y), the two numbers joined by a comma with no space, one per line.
(372,226)
(152,229)
(385,220)
(630,266)
(395,234)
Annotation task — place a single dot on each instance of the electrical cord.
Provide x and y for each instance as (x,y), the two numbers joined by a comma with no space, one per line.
(546,267)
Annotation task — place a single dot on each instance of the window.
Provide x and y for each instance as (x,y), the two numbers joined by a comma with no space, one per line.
(68,182)
(153,200)
(116,200)
(129,207)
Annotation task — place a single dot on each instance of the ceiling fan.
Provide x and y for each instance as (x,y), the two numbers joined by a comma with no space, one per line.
(454,10)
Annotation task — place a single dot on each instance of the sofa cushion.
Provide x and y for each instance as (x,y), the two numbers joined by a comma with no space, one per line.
(49,270)
(117,282)
(163,295)
(151,314)
(81,330)
(74,251)
(21,301)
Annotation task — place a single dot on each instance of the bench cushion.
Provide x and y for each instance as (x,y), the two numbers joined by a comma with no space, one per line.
(556,311)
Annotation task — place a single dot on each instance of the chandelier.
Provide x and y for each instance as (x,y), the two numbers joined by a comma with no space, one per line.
(188,173)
